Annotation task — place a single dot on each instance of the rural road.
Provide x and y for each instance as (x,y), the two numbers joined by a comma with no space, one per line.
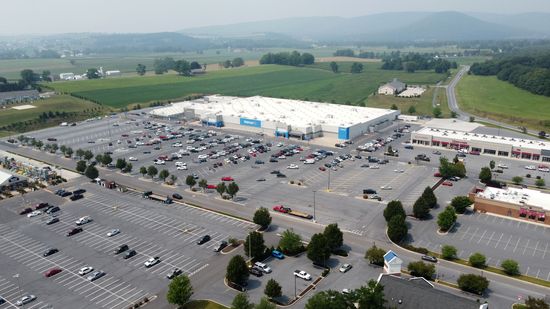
(453,105)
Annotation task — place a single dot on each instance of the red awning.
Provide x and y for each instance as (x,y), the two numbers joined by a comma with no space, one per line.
(522,211)
(526,153)
(516,152)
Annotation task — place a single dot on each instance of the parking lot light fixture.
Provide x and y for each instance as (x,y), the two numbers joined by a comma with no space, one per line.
(19,286)
(295,287)
(314,218)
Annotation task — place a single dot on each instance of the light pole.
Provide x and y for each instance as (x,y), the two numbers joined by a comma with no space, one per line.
(328,183)
(19,286)
(314,191)
(295,287)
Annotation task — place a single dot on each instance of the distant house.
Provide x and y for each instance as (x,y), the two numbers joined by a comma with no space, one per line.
(113,73)
(198,71)
(10,182)
(18,96)
(414,293)
(392,88)
(66,76)
(392,263)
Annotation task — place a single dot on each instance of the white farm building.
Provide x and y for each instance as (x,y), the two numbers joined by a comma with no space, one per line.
(283,117)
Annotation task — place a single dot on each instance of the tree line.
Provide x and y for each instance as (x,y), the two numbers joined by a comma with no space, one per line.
(28,80)
(411,62)
(163,65)
(285,58)
(528,72)
(348,52)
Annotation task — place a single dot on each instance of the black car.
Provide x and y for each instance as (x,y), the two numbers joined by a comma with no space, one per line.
(129,254)
(177,196)
(76,197)
(275,172)
(65,194)
(25,211)
(369,191)
(176,272)
(121,249)
(50,251)
(79,191)
(53,209)
(59,191)
(280,175)
(52,221)
(256,272)
(203,239)
(41,205)
(74,231)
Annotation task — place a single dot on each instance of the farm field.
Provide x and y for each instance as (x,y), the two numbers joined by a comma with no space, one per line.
(62,103)
(315,83)
(423,104)
(489,97)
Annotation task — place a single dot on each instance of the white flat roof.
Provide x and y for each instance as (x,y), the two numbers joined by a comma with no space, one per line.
(452,124)
(515,195)
(488,138)
(292,112)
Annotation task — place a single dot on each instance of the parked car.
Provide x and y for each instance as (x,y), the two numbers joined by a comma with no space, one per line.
(174,273)
(52,210)
(52,220)
(429,258)
(34,214)
(121,249)
(52,272)
(256,271)
(41,205)
(177,196)
(85,270)
(83,220)
(222,244)
(277,254)
(203,239)
(152,262)
(50,251)
(264,267)
(129,254)
(76,197)
(74,231)
(96,275)
(25,211)
(447,183)
(113,232)
(302,274)
(25,300)
(227,178)
(345,267)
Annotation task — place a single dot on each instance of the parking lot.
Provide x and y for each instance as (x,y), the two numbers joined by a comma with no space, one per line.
(148,227)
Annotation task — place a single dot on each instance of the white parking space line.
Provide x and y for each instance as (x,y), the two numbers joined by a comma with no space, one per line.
(527,245)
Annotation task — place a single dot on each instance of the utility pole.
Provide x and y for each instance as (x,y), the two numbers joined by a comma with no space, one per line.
(328,184)
(295,287)
(314,191)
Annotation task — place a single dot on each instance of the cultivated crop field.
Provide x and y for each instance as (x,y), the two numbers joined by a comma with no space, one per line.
(489,97)
(315,83)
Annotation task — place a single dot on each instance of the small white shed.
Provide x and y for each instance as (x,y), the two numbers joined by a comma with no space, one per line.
(392,263)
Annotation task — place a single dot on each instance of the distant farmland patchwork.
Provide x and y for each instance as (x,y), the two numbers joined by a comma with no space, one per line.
(312,83)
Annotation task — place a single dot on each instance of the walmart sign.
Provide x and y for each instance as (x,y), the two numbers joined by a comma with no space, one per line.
(251,122)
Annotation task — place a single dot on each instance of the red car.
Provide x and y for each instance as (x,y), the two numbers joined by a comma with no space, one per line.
(228,178)
(447,183)
(52,272)
(281,208)
(322,168)
(25,211)
(211,187)
(438,174)
(74,231)
(40,206)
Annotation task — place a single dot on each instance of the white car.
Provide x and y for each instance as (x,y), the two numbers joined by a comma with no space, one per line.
(544,169)
(530,167)
(293,167)
(113,232)
(502,165)
(399,171)
(264,267)
(25,300)
(374,166)
(34,214)
(159,162)
(177,145)
(346,291)
(181,167)
(282,157)
(386,187)
(85,270)
(178,163)
(132,159)
(302,274)
(83,220)
(152,261)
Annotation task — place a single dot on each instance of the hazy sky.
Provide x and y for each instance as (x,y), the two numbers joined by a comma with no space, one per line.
(62,16)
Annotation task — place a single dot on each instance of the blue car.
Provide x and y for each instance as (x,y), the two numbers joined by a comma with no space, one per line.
(278,254)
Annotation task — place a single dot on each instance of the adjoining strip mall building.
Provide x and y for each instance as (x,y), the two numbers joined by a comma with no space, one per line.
(531,205)
(484,144)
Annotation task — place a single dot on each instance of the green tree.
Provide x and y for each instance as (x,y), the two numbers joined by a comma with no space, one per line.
(120,163)
(91,172)
(375,255)
(190,181)
(290,242)
(446,218)
(536,303)
(394,107)
(152,171)
(492,164)
(318,249)
(141,69)
(421,210)
(517,180)
(477,260)
(307,59)
(262,217)
(46,76)
(265,304)
(510,267)
(397,228)
(254,245)
(448,252)
(143,171)
(221,188)
(334,237)
(356,67)
(69,152)
(63,148)
(93,73)
(460,203)
(232,189)
(485,175)
(99,159)
(334,67)
(29,77)
(237,62)
(237,271)
(183,68)
(473,283)
(80,153)
(164,174)
(81,166)
(411,110)
(327,300)
(370,296)
(106,159)
(429,197)
(127,168)
(540,183)
(437,112)
(179,290)
(421,269)
(88,155)
(272,289)
(203,183)
(392,209)
(241,302)
(195,65)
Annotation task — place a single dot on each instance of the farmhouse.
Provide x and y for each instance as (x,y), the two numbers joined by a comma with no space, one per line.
(392,88)
(281,117)
(66,76)
(18,96)
(513,202)
(484,144)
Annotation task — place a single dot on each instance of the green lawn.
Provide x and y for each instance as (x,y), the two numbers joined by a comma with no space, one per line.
(62,103)
(311,83)
(423,105)
(489,97)
(203,304)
